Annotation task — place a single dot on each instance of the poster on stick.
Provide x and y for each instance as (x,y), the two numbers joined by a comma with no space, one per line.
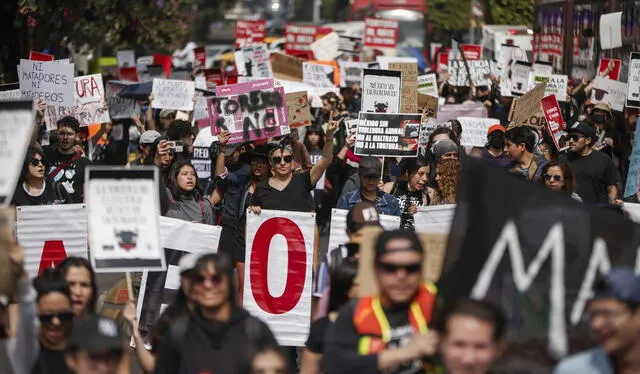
(380,33)
(428,85)
(474,130)
(409,92)
(613,93)
(526,110)
(381,91)
(173,94)
(610,68)
(48,81)
(123,219)
(250,32)
(51,233)
(387,134)
(250,111)
(633,81)
(298,39)
(17,120)
(253,62)
(278,272)
(318,75)
(298,109)
(479,70)
(555,122)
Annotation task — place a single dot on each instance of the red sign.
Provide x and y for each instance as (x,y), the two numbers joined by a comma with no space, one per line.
(200,57)
(128,74)
(610,68)
(472,52)
(380,33)
(37,56)
(443,61)
(298,39)
(297,266)
(53,253)
(213,77)
(555,122)
(250,32)
(164,61)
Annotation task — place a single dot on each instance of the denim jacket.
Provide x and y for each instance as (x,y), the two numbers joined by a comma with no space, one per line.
(593,361)
(385,203)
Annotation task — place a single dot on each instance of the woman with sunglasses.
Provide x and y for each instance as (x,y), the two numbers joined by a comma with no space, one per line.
(557,176)
(34,188)
(55,314)
(81,278)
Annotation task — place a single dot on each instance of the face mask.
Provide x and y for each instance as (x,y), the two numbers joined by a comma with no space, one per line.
(496,142)
(598,118)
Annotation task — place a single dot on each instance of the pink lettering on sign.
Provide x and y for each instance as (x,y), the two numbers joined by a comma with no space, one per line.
(87,87)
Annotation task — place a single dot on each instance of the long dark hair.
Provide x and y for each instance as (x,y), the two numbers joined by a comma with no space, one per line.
(314,130)
(178,193)
(342,277)
(31,152)
(223,266)
(80,262)
(567,175)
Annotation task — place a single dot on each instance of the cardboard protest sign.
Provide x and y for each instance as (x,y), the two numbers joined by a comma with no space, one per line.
(318,75)
(126,58)
(158,288)
(201,160)
(610,92)
(526,110)
(408,95)
(387,134)
(298,39)
(299,110)
(349,45)
(479,70)
(428,106)
(250,111)
(286,67)
(338,232)
(326,48)
(380,33)
(250,32)
(633,81)
(47,81)
(633,175)
(51,233)
(253,62)
(381,91)
(611,67)
(120,108)
(472,52)
(38,56)
(557,86)
(428,85)
(278,272)
(123,219)
(351,73)
(611,30)
(17,119)
(533,244)
(173,94)
(555,122)
(474,130)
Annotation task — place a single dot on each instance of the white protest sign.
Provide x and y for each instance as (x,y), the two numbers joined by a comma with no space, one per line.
(434,218)
(278,272)
(51,233)
(48,81)
(352,126)
(520,77)
(144,60)
(178,238)
(126,58)
(318,75)
(90,100)
(253,62)
(120,108)
(338,232)
(384,61)
(540,73)
(10,95)
(610,92)
(381,91)
(633,81)
(351,73)
(326,48)
(557,86)
(633,210)
(201,160)
(173,94)
(123,219)
(479,70)
(428,85)
(17,119)
(611,30)
(474,130)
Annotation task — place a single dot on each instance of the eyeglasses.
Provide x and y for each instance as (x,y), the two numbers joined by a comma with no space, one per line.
(69,134)
(393,268)
(607,315)
(36,161)
(215,279)
(574,137)
(63,317)
(277,160)
(556,178)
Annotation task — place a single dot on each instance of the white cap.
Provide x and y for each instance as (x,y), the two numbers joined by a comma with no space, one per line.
(188,262)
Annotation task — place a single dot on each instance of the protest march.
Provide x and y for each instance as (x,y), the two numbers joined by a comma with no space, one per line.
(356,192)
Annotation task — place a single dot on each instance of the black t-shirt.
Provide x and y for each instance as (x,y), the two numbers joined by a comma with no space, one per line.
(593,174)
(406,199)
(317,332)
(50,362)
(72,176)
(295,197)
(51,194)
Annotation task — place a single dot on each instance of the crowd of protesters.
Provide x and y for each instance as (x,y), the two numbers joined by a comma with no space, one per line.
(51,326)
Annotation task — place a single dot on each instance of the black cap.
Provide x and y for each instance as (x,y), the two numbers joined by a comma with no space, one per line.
(620,284)
(583,128)
(95,334)
(387,236)
(370,166)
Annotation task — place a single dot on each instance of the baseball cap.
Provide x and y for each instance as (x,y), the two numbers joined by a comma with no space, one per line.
(386,236)
(149,136)
(362,214)
(370,166)
(621,284)
(167,112)
(95,334)
(444,146)
(188,262)
(496,128)
(583,128)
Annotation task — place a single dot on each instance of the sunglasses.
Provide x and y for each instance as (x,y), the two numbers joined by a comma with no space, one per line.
(215,279)
(64,317)
(393,268)
(277,160)
(574,137)
(36,161)
(556,178)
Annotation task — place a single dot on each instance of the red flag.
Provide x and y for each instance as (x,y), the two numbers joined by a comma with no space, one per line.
(37,56)
(164,61)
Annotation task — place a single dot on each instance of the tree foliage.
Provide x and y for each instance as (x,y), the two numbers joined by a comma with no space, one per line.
(447,15)
(509,12)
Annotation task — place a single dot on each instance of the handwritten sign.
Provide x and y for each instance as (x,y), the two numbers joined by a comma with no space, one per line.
(610,92)
(173,94)
(90,105)
(557,86)
(526,110)
(253,62)
(250,32)
(428,85)
(381,91)
(286,67)
(48,81)
(474,130)
(318,75)
(479,70)
(299,109)
(408,95)
(386,134)
(633,81)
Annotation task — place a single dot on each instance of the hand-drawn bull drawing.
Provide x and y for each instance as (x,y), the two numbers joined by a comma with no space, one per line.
(128,239)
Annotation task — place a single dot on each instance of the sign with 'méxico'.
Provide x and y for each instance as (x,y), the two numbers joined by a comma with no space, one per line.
(386,134)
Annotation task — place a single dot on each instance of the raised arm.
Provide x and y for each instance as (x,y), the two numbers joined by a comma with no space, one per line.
(327,153)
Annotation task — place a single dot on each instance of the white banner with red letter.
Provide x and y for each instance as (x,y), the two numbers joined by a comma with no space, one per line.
(51,233)
(278,275)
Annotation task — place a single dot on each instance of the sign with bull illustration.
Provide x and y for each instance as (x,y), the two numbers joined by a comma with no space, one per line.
(388,134)
(123,219)
(381,91)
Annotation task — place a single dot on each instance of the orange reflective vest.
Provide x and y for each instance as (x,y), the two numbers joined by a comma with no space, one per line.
(373,327)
